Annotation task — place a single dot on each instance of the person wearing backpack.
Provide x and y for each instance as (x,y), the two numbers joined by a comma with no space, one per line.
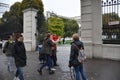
(7,50)
(76,46)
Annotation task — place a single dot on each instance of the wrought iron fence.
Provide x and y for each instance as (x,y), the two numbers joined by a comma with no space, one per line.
(111,21)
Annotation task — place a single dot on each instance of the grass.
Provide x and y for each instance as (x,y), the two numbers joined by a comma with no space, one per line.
(66,42)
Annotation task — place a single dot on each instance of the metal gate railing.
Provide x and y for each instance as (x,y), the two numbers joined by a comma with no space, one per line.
(111,21)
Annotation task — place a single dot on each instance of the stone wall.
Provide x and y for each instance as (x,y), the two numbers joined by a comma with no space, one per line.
(91,32)
(111,51)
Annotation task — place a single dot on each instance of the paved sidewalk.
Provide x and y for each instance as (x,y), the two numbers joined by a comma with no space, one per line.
(96,69)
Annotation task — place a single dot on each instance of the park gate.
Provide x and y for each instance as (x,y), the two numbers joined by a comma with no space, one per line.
(111,21)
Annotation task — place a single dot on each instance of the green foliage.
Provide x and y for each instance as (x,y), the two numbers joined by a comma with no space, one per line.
(71,27)
(1,21)
(14,9)
(56,26)
(41,27)
(109,17)
(13,17)
(37,4)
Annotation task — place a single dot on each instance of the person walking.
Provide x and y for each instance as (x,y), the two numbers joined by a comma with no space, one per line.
(79,69)
(7,49)
(54,39)
(19,53)
(64,40)
(47,51)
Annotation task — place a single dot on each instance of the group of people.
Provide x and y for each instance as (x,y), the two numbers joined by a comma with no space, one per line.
(15,52)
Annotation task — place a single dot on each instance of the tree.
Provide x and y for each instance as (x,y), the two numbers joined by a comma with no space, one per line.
(56,26)
(37,4)
(1,22)
(13,18)
(71,27)
(41,27)
(16,15)
(109,17)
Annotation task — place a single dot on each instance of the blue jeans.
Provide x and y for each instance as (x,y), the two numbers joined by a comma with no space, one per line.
(10,64)
(79,70)
(48,62)
(19,73)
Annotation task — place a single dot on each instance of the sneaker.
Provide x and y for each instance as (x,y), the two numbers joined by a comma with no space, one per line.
(51,72)
(16,78)
(40,72)
(53,69)
(8,69)
(46,67)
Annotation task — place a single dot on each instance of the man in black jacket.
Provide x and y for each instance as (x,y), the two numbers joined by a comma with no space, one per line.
(19,54)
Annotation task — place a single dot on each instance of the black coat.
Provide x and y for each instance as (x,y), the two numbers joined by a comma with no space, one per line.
(19,54)
(74,51)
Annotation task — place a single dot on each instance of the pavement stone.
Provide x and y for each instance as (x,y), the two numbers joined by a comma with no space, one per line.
(96,69)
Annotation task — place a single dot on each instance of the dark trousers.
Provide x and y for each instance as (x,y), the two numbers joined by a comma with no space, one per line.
(47,63)
(54,57)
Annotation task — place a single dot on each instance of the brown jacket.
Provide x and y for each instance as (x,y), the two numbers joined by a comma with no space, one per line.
(47,46)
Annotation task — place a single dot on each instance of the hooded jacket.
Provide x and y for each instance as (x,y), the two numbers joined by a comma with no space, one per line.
(74,51)
(47,46)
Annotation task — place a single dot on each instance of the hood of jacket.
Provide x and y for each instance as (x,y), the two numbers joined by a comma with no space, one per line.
(78,43)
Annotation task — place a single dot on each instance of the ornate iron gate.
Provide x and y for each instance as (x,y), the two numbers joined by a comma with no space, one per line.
(111,21)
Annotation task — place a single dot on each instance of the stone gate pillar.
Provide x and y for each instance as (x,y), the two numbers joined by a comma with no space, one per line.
(29,28)
(91,29)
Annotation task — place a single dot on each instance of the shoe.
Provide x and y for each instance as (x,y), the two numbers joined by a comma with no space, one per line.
(40,72)
(51,72)
(16,78)
(46,67)
(8,69)
(53,69)
(56,65)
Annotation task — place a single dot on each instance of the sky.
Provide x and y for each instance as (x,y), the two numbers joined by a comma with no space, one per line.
(68,8)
